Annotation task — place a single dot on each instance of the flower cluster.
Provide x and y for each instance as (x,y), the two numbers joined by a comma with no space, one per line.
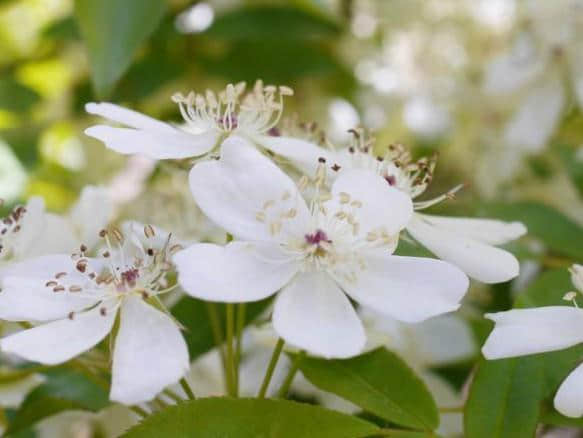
(320,235)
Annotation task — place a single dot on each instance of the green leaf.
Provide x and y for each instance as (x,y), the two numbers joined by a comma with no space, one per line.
(64,390)
(281,62)
(557,231)
(268,22)
(16,97)
(250,418)
(504,400)
(380,383)
(113,31)
(193,315)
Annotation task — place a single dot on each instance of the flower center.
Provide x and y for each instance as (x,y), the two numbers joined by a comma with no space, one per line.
(317,237)
(258,111)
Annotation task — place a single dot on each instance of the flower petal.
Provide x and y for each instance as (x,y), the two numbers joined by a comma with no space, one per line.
(382,206)
(91,213)
(134,119)
(313,314)
(31,228)
(57,342)
(237,272)
(519,332)
(150,353)
(410,289)
(568,399)
(158,145)
(481,261)
(535,121)
(303,154)
(512,70)
(490,231)
(25,295)
(245,193)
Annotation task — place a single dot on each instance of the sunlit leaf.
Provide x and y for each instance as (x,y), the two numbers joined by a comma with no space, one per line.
(112,34)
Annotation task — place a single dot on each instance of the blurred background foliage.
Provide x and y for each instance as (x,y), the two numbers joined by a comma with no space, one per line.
(411,70)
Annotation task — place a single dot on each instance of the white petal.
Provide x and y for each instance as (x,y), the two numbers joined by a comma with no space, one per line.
(134,119)
(150,353)
(235,189)
(510,71)
(237,272)
(303,154)
(57,237)
(154,144)
(568,399)
(491,231)
(409,289)
(383,206)
(91,213)
(479,260)
(313,314)
(519,332)
(57,342)
(26,297)
(31,227)
(535,121)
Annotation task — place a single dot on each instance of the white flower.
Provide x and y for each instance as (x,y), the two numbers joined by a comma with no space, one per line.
(546,52)
(30,231)
(77,300)
(341,242)
(521,332)
(465,242)
(209,118)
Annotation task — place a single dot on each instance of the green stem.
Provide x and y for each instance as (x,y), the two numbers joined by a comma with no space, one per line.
(270,368)
(284,389)
(187,389)
(139,411)
(241,308)
(230,310)
(217,335)
(171,394)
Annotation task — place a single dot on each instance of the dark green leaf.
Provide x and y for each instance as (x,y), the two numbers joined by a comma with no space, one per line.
(250,418)
(16,97)
(277,62)
(504,400)
(193,314)
(272,22)
(379,382)
(113,32)
(64,389)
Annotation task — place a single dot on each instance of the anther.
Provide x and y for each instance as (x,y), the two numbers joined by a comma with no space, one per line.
(103,311)
(75,288)
(83,248)
(321,160)
(51,283)
(81,265)
(71,315)
(149,231)
(335,167)
(344,198)
(58,289)
(59,275)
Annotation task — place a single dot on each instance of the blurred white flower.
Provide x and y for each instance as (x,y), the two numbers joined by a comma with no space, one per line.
(521,332)
(30,231)
(12,174)
(542,56)
(466,242)
(78,299)
(341,243)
